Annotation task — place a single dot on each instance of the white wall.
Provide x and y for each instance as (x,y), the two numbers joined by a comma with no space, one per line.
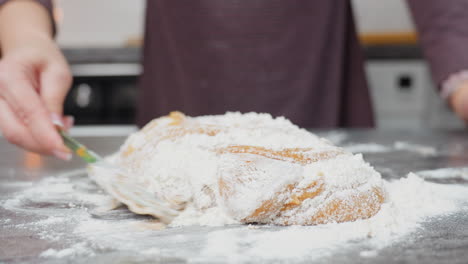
(382,16)
(113,22)
(94,23)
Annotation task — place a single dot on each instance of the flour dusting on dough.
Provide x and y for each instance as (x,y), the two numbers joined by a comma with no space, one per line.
(243,168)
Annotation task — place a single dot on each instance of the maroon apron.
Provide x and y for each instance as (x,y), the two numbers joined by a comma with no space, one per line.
(297,58)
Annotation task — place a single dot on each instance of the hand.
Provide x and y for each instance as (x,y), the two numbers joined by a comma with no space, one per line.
(459,101)
(34,80)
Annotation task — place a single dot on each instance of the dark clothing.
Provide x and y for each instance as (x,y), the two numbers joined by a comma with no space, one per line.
(298,59)
(443,33)
(295,58)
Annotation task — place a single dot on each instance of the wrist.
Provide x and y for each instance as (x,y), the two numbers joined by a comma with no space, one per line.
(459,100)
(27,38)
(23,22)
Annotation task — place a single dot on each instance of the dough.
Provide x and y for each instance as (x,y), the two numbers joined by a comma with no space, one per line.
(252,167)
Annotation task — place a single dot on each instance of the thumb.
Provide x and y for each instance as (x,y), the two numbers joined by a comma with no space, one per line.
(459,101)
(55,83)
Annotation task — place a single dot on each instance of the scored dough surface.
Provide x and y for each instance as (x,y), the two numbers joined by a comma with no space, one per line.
(255,168)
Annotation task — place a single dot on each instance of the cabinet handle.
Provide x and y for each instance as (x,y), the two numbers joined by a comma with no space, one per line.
(405,82)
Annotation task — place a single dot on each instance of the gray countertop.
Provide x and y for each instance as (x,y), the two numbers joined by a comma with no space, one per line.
(102,55)
(126,61)
(24,239)
(134,54)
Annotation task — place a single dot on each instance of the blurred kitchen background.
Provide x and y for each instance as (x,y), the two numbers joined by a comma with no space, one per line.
(102,41)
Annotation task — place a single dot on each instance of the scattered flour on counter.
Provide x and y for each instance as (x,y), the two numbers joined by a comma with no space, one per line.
(411,202)
(151,251)
(5,221)
(50,221)
(426,151)
(18,184)
(78,249)
(445,173)
(367,148)
(65,191)
(56,205)
(210,217)
(368,253)
(67,201)
(335,137)
(372,147)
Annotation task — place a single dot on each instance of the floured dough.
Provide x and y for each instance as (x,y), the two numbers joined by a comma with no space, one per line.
(249,168)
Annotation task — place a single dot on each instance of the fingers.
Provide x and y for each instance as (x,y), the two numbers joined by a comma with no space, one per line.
(55,81)
(27,120)
(16,133)
(459,101)
(68,122)
(34,80)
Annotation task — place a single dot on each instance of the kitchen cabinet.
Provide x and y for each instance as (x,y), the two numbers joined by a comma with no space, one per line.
(404,96)
(102,99)
(104,89)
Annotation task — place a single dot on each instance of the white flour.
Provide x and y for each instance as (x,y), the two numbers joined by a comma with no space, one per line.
(78,249)
(425,151)
(412,203)
(336,137)
(202,167)
(445,173)
(71,210)
(367,148)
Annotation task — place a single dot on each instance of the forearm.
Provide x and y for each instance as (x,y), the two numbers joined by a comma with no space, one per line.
(23,21)
(444,38)
(443,35)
